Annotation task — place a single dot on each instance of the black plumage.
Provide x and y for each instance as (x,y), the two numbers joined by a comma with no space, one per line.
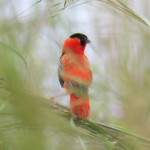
(83,38)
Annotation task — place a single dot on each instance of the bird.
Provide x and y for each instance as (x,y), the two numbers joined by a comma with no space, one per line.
(75,75)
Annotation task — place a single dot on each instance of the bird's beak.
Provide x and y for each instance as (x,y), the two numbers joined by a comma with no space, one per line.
(88,41)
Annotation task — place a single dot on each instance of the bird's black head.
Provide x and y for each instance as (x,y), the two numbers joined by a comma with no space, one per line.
(83,38)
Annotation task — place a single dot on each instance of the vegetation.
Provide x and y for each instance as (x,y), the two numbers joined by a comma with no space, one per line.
(31,37)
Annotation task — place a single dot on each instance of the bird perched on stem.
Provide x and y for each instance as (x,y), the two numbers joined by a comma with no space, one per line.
(75,74)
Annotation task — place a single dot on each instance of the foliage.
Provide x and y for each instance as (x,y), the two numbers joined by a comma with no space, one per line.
(30,41)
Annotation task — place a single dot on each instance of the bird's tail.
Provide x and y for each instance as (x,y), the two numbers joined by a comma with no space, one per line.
(80,106)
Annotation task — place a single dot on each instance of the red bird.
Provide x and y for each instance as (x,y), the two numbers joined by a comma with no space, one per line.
(75,74)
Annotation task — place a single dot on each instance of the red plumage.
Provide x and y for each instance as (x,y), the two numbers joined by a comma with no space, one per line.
(75,74)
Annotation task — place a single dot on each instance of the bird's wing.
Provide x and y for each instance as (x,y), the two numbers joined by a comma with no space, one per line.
(60,68)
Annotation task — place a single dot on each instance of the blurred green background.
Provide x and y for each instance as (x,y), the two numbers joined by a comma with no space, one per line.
(31,37)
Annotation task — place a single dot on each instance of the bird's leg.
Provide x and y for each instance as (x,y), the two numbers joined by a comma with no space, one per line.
(56,96)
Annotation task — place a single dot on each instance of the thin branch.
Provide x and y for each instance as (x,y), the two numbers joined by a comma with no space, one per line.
(56,96)
(114,137)
(125,9)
